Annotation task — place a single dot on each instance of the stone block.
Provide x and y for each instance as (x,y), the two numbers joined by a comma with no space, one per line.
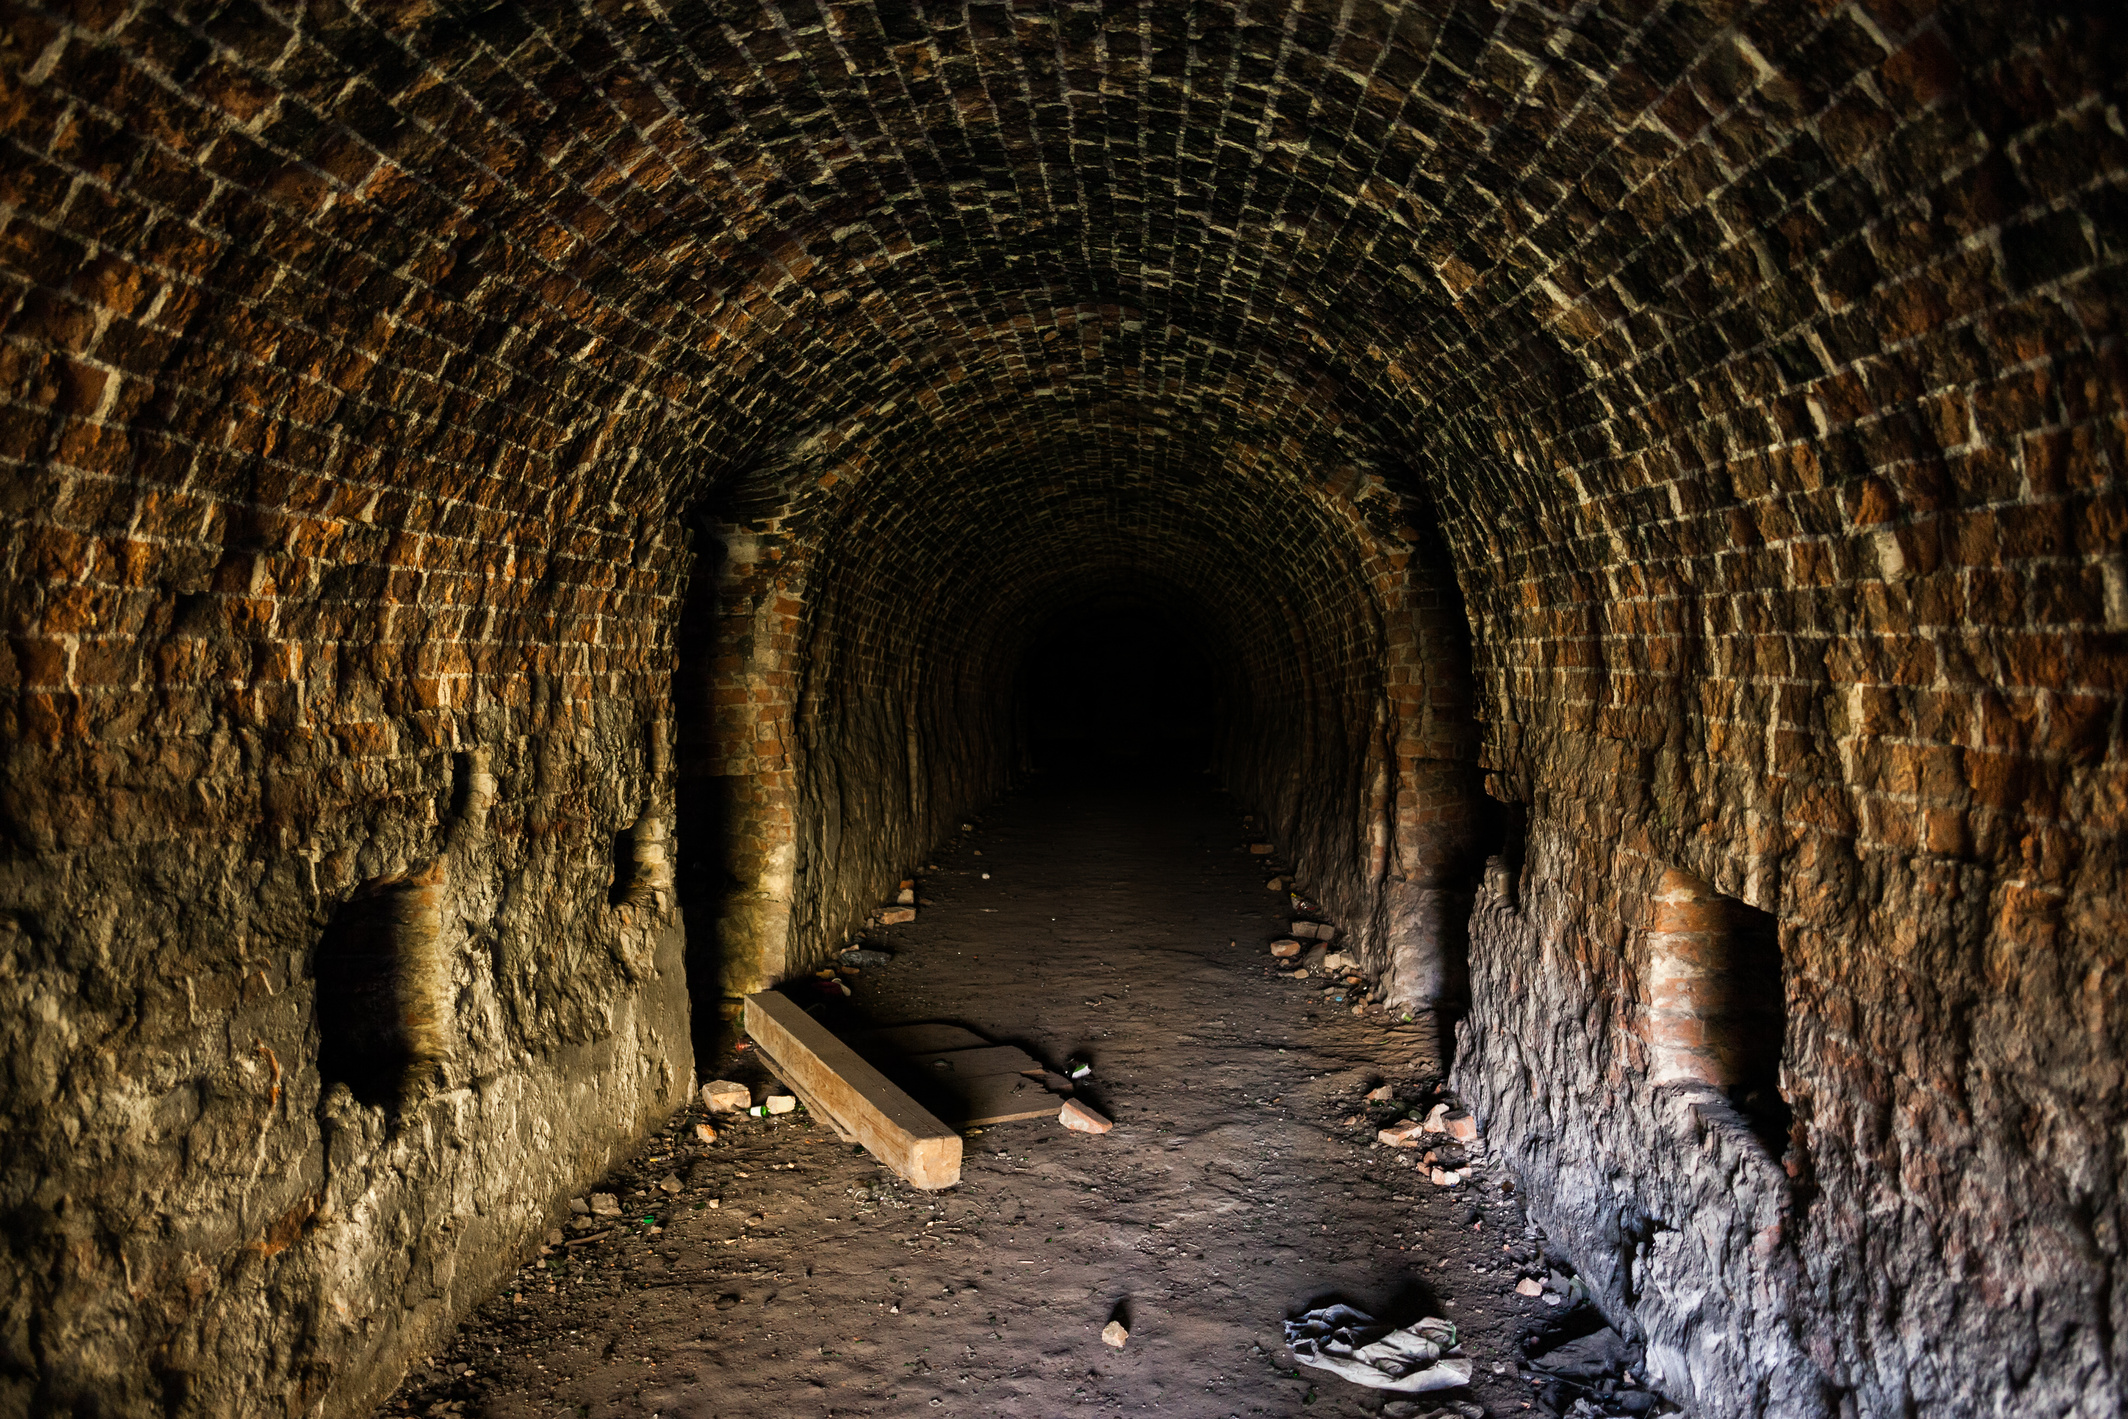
(723,1096)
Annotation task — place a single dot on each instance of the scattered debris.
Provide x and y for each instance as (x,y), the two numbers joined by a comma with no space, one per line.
(1077,1068)
(1260,849)
(906,897)
(705,1134)
(781,1103)
(1529,1286)
(897,916)
(1081,1119)
(670,1183)
(1276,884)
(865,956)
(1382,1095)
(1401,1135)
(1352,1344)
(1114,1334)
(1285,948)
(605,1204)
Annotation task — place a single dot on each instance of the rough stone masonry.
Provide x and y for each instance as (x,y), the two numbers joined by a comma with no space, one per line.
(523,520)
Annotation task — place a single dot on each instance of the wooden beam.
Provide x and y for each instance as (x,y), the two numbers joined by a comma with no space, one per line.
(974,1063)
(857,1098)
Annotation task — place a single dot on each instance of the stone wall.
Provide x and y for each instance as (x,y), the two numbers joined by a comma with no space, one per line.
(1792,575)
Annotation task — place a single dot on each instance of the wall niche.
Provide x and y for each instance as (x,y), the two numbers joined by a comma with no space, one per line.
(382,984)
(1717,1013)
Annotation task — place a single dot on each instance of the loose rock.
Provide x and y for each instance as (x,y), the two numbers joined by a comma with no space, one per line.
(722,1096)
(1114,1334)
(780,1103)
(1285,948)
(1081,1119)
(605,1204)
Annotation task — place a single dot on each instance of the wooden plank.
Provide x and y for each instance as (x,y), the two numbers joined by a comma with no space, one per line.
(893,1127)
(972,1063)
(917,1039)
(1002,1098)
(812,1105)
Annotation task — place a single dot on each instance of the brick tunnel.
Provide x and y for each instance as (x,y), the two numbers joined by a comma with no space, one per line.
(528,522)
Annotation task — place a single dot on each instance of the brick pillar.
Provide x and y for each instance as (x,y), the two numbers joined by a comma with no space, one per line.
(1434,866)
(738,838)
(1686,982)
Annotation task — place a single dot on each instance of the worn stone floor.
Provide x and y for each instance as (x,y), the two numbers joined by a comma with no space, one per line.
(1123,920)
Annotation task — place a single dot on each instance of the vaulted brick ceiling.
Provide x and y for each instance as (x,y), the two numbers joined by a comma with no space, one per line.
(528,239)
(1587,286)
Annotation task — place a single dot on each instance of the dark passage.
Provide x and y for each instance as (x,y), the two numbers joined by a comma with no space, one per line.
(1120,686)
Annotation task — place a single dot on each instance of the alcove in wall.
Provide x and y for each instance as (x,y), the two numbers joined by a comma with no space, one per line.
(1717,1003)
(378,973)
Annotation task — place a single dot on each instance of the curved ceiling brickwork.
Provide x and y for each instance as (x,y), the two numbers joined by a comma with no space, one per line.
(1757,367)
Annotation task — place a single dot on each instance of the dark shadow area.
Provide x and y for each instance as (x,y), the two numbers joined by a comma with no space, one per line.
(702,803)
(361,1038)
(1756,1024)
(1118,685)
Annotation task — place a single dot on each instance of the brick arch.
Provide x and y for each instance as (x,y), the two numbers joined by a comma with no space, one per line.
(904,594)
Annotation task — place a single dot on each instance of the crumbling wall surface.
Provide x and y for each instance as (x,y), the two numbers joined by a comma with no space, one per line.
(1679,1221)
(333,727)
(209,1212)
(1937,1231)
(1793,552)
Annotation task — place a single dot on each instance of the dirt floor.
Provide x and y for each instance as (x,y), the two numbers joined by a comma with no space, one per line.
(791,1275)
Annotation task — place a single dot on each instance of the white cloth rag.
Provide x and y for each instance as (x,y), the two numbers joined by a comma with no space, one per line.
(1352,1344)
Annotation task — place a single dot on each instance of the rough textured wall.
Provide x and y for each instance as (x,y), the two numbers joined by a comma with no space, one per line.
(329,683)
(1819,611)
